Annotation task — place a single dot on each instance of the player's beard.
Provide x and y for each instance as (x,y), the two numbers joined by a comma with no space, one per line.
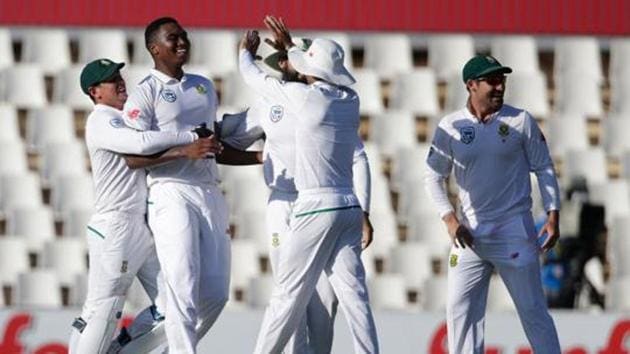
(495,99)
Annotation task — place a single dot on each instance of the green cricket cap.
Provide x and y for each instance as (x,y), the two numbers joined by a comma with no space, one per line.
(97,71)
(272,59)
(482,65)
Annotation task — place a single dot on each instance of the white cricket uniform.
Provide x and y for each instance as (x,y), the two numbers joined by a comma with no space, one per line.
(325,230)
(119,241)
(278,125)
(187,212)
(491,163)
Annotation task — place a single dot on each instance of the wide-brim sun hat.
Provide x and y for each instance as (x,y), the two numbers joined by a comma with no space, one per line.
(324,60)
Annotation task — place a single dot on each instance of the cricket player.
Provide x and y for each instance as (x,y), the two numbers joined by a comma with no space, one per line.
(187,211)
(325,228)
(266,118)
(491,148)
(119,242)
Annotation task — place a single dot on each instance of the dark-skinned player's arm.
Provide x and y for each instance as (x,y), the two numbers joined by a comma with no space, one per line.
(235,157)
(199,149)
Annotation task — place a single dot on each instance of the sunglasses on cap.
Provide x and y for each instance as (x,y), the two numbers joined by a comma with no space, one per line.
(493,80)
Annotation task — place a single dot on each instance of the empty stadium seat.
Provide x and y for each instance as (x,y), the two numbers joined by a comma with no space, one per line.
(67,257)
(75,222)
(387,292)
(6,49)
(579,95)
(517,52)
(407,164)
(34,225)
(67,89)
(615,135)
(71,192)
(393,130)
(52,124)
(62,159)
(252,225)
(620,94)
(12,158)
(26,83)
(236,93)
(13,259)
(140,54)
(619,58)
(47,47)
(245,265)
(618,247)
(577,56)
(388,54)
(385,232)
(590,164)
(449,53)
(429,229)
(215,49)
(103,43)
(412,261)
(247,194)
(20,191)
(368,87)
(528,90)
(259,291)
(434,292)
(413,198)
(38,289)
(9,127)
(625,164)
(415,91)
(617,298)
(456,93)
(566,132)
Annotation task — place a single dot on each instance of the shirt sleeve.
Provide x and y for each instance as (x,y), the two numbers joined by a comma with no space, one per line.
(361,177)
(288,94)
(540,163)
(439,163)
(139,112)
(242,129)
(115,136)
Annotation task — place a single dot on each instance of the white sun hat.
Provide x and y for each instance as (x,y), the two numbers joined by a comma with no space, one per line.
(323,59)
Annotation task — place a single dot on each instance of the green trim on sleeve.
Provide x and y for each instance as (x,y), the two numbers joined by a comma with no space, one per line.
(95,231)
(327,210)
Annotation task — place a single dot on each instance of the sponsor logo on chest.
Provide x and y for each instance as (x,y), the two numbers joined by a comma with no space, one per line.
(169,95)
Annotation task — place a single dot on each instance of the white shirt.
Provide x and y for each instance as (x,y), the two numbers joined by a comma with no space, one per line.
(326,131)
(491,163)
(119,188)
(278,126)
(163,103)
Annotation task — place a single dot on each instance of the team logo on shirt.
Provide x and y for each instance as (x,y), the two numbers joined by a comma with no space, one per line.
(467,134)
(117,122)
(453,260)
(202,90)
(169,95)
(275,239)
(276,113)
(504,130)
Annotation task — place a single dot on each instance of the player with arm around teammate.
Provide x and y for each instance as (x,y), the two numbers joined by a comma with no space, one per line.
(325,227)
(269,119)
(119,242)
(491,148)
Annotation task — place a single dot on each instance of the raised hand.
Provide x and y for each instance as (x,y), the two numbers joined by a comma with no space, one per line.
(282,37)
(250,42)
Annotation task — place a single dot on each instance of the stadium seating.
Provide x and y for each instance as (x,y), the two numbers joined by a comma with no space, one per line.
(528,90)
(412,261)
(20,191)
(433,294)
(67,258)
(67,90)
(215,49)
(52,124)
(38,289)
(415,91)
(9,126)
(12,158)
(24,86)
(564,133)
(449,53)
(393,130)
(76,221)
(103,43)
(617,298)
(13,259)
(35,225)
(48,48)
(388,54)
(368,87)
(387,292)
(518,52)
(6,49)
(578,57)
(259,291)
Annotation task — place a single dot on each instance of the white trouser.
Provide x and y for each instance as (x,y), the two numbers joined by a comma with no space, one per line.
(318,324)
(120,247)
(190,227)
(511,248)
(321,239)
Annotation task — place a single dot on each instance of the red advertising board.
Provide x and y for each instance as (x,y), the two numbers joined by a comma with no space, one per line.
(607,17)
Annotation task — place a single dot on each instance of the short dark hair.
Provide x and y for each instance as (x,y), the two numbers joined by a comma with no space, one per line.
(154,26)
